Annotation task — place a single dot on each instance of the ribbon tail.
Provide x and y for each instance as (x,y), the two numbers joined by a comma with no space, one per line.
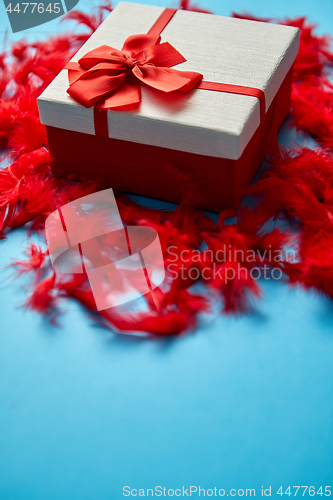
(127,95)
(167,79)
(193,80)
(88,91)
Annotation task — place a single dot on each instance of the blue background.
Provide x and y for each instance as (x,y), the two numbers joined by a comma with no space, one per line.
(241,403)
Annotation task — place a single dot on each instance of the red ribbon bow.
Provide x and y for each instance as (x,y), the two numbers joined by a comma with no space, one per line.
(110,77)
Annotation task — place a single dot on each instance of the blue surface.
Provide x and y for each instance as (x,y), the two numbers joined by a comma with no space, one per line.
(242,403)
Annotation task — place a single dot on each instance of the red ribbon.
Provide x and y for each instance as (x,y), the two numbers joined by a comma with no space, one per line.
(110,77)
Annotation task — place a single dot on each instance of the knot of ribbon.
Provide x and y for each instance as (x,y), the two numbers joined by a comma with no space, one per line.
(110,78)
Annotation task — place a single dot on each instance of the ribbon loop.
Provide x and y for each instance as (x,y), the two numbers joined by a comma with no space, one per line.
(137,43)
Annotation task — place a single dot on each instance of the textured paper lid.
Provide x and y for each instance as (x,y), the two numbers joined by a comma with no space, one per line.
(223,49)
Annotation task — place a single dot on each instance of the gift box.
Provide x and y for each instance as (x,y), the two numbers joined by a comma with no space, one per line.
(169,103)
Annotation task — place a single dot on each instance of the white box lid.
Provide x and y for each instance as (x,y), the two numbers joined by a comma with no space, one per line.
(223,49)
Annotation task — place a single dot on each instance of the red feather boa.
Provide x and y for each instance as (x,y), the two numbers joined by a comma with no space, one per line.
(296,190)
